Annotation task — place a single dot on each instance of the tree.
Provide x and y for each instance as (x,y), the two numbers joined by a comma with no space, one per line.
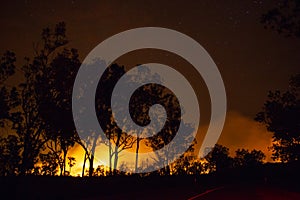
(157,94)
(49,164)
(71,163)
(28,120)
(187,165)
(7,68)
(4,105)
(56,152)
(40,108)
(141,101)
(7,65)
(218,159)
(196,167)
(10,159)
(139,106)
(285,18)
(246,158)
(100,171)
(115,135)
(10,146)
(54,87)
(281,115)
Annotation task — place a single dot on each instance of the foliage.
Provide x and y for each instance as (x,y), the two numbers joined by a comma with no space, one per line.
(116,136)
(28,120)
(187,165)
(10,159)
(7,69)
(71,162)
(54,87)
(49,164)
(40,112)
(7,65)
(285,18)
(281,115)
(100,171)
(246,158)
(218,159)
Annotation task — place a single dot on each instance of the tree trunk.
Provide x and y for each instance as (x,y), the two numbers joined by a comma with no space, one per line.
(110,156)
(24,160)
(91,168)
(91,158)
(25,155)
(116,153)
(83,167)
(64,162)
(61,166)
(137,153)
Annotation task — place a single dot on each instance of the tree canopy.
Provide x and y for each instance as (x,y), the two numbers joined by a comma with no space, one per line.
(281,115)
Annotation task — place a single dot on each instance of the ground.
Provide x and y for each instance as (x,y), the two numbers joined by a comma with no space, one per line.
(172,187)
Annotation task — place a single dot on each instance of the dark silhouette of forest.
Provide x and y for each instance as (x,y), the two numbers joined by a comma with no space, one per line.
(37,117)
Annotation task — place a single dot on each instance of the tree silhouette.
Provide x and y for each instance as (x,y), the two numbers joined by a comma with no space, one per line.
(10,146)
(54,87)
(41,114)
(28,124)
(10,159)
(120,139)
(7,65)
(100,171)
(218,159)
(31,121)
(188,165)
(71,163)
(4,105)
(142,99)
(281,115)
(49,164)
(285,18)
(56,153)
(249,159)
(7,68)
(140,102)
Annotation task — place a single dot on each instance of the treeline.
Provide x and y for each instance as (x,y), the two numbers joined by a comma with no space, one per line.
(36,115)
(218,160)
(37,123)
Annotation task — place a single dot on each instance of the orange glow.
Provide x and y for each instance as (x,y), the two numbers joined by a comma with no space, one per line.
(243,132)
(234,136)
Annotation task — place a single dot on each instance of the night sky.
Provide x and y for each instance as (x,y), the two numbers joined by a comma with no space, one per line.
(252,60)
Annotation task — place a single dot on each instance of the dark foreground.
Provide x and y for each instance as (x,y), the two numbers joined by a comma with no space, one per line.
(248,192)
(136,188)
(266,183)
